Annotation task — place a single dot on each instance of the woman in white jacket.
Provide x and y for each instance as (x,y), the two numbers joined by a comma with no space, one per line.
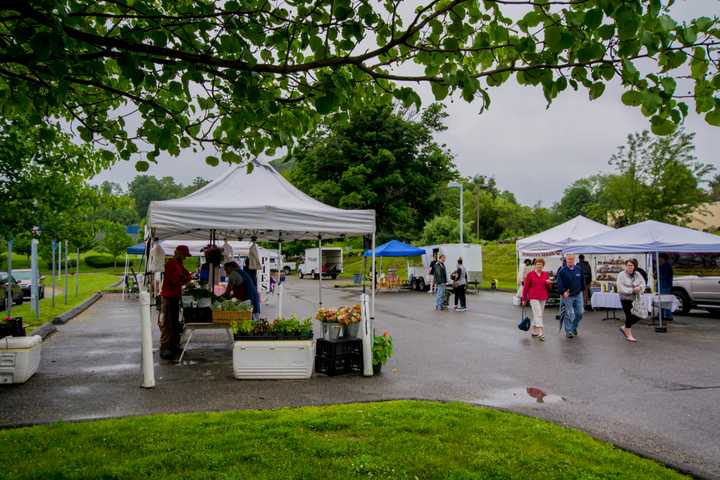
(630,284)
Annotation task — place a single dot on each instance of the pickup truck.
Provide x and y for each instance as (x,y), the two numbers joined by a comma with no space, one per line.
(693,291)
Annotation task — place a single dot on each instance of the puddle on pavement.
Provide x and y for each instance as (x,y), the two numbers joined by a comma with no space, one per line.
(112,368)
(77,390)
(516,397)
(110,351)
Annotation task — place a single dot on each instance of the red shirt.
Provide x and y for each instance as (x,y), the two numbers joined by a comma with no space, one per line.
(175,277)
(536,287)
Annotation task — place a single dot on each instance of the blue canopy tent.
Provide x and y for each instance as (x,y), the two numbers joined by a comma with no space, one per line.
(138,249)
(395,248)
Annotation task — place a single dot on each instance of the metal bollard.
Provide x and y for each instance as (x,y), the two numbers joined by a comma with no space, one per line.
(148,365)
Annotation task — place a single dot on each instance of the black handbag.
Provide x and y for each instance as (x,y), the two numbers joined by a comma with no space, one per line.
(524,324)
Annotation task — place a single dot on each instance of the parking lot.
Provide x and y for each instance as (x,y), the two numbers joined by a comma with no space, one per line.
(659,397)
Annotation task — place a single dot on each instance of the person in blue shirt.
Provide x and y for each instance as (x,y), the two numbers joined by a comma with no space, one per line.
(241,287)
(666,282)
(571,285)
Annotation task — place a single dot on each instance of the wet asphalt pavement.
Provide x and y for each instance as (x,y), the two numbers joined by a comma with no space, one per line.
(659,397)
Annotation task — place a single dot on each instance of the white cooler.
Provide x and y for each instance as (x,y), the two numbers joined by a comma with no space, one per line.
(19,358)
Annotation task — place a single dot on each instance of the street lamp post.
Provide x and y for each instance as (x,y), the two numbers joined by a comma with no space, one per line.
(460,186)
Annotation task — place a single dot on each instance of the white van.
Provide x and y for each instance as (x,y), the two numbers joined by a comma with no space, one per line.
(332,263)
(419,278)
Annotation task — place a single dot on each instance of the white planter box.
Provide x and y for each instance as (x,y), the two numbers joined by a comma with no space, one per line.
(273,359)
(19,358)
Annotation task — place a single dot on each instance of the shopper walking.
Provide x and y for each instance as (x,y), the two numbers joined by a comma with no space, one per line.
(666,282)
(536,290)
(630,284)
(587,275)
(173,280)
(571,284)
(440,281)
(459,278)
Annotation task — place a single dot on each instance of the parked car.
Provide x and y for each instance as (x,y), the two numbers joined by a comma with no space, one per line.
(24,278)
(693,291)
(17,293)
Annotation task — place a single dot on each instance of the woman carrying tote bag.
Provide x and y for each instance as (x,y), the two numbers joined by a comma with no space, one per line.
(535,289)
(630,284)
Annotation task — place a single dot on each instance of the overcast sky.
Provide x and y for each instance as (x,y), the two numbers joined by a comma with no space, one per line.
(530,151)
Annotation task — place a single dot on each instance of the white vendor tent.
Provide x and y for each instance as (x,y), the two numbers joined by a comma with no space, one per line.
(648,237)
(254,200)
(552,241)
(261,204)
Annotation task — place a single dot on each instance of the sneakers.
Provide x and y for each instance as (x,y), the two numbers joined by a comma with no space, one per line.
(461,309)
(570,335)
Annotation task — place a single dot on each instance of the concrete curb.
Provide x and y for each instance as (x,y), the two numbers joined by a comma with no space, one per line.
(44,330)
(70,314)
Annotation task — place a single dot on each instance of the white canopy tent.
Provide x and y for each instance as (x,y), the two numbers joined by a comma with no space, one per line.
(649,237)
(256,201)
(261,204)
(552,241)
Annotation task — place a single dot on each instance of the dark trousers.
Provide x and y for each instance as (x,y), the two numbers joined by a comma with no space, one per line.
(253,275)
(460,295)
(170,331)
(630,319)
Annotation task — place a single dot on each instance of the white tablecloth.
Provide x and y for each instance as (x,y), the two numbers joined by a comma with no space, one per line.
(612,300)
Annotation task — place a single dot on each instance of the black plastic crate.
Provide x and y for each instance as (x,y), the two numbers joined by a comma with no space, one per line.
(333,348)
(340,364)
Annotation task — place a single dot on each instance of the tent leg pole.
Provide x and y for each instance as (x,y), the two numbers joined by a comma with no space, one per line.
(125,274)
(8,285)
(660,328)
(146,342)
(280,284)
(373,288)
(320,271)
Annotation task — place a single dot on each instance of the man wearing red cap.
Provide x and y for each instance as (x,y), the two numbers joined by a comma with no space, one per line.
(175,277)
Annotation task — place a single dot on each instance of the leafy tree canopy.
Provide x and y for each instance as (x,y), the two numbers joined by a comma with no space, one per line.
(249,76)
(445,229)
(145,189)
(381,159)
(43,183)
(655,178)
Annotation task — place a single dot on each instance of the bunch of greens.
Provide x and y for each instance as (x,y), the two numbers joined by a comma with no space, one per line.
(233,306)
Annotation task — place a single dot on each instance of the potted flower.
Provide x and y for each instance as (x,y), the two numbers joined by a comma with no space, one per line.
(382,351)
(349,317)
(214,255)
(12,327)
(281,349)
(332,330)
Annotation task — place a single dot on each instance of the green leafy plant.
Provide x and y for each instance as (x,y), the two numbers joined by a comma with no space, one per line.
(233,306)
(382,348)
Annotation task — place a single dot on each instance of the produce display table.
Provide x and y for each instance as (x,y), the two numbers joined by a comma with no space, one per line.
(190,330)
(610,301)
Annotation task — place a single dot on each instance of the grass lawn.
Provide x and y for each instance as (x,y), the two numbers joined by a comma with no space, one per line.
(89,283)
(393,440)
(21,261)
(499,264)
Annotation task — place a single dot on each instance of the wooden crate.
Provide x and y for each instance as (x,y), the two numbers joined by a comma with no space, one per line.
(228,317)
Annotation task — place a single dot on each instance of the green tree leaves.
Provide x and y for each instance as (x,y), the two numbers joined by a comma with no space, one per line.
(251,77)
(376,158)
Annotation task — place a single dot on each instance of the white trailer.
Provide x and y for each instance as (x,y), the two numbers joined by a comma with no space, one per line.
(419,278)
(332,263)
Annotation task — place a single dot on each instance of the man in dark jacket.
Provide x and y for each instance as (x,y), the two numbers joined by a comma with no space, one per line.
(666,281)
(587,275)
(440,280)
(571,285)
